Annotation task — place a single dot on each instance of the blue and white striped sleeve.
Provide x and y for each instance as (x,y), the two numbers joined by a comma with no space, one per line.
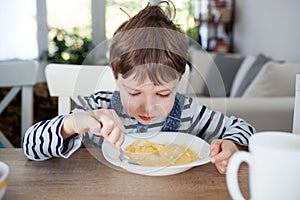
(237,130)
(209,124)
(43,140)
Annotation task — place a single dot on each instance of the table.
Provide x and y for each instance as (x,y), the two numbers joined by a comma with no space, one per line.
(84,177)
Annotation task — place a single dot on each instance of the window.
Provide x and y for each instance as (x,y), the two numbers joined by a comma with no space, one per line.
(117,10)
(18,35)
(18,20)
(70,15)
(70,30)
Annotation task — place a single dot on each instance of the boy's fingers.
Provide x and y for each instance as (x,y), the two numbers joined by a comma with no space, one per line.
(216,143)
(222,166)
(120,141)
(223,155)
(115,137)
(221,169)
(215,147)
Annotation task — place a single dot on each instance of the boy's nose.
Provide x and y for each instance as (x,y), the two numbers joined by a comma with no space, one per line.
(148,105)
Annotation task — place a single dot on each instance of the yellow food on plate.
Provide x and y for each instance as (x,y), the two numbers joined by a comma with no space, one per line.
(153,154)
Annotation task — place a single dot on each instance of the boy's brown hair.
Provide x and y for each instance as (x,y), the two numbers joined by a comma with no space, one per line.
(147,43)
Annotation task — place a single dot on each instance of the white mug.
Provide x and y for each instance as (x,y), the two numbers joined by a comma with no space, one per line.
(274,167)
(4,171)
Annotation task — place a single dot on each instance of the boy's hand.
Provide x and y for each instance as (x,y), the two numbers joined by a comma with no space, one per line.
(112,127)
(102,122)
(220,152)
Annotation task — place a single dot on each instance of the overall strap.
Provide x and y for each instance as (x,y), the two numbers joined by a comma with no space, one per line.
(173,119)
(115,102)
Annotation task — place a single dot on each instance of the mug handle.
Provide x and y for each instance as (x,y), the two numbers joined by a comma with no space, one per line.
(232,173)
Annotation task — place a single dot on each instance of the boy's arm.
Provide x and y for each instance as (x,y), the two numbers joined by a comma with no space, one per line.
(238,131)
(210,125)
(43,140)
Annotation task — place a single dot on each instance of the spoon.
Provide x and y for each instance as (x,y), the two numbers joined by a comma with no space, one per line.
(126,159)
(122,155)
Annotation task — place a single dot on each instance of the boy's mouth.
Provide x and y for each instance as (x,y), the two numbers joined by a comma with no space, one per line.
(146,118)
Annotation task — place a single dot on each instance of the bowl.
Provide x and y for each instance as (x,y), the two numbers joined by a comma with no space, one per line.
(4,171)
(198,145)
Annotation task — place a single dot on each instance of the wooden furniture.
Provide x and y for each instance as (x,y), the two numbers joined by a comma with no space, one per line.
(83,177)
(21,76)
(296,118)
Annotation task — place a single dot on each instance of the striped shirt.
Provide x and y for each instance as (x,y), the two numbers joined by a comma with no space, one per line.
(43,140)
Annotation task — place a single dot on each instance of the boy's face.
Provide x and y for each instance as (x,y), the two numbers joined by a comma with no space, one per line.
(147,102)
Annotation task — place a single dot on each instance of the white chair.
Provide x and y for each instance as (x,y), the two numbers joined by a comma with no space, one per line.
(21,76)
(67,81)
(185,80)
(296,119)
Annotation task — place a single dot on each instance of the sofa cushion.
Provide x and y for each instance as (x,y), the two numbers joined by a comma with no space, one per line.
(221,74)
(274,79)
(201,62)
(241,73)
(251,74)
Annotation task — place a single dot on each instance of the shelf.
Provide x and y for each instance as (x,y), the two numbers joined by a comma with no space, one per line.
(216,17)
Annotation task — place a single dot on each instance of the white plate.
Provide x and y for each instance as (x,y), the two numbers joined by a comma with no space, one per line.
(197,144)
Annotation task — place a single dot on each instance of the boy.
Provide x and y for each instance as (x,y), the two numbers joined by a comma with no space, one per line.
(148,56)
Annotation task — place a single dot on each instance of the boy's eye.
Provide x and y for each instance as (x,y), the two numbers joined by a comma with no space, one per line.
(133,94)
(164,95)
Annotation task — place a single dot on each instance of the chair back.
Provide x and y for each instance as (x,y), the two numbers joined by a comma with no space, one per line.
(21,76)
(296,118)
(67,81)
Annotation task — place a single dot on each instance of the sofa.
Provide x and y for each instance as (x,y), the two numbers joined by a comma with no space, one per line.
(257,88)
